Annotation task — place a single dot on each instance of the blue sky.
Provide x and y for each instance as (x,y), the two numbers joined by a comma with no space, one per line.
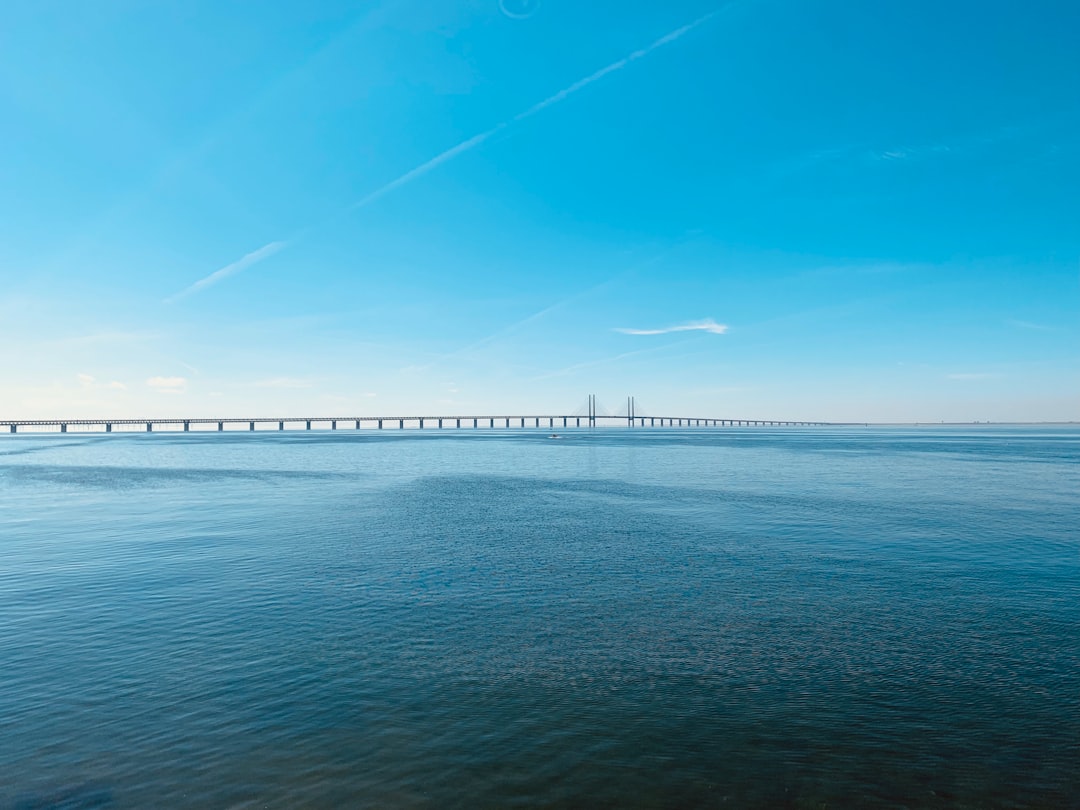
(803,209)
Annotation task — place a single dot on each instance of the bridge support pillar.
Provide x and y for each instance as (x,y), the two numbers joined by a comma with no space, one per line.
(220,426)
(523,421)
(421,424)
(401,424)
(149,427)
(440,423)
(551,423)
(538,421)
(475,422)
(251,426)
(13,429)
(333,424)
(564,421)
(280,425)
(307,425)
(187,426)
(63,428)
(508,421)
(578,424)
(491,422)
(108,428)
(459,423)
(380,424)
(357,424)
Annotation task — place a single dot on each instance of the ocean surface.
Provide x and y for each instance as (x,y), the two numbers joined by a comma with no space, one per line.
(731,617)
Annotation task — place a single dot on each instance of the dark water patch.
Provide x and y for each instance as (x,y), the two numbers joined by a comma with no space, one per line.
(72,797)
(127,478)
(29,449)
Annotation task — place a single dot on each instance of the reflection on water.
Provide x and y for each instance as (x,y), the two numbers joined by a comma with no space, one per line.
(622,619)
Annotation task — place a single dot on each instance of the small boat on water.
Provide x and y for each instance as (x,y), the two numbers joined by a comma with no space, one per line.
(554,436)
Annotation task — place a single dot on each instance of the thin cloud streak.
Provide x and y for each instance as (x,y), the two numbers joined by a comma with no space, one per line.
(613,359)
(707,325)
(614,66)
(1035,327)
(239,265)
(450,154)
(570,299)
(427,166)
(566,92)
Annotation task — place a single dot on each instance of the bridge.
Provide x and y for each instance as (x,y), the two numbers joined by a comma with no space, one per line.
(591,419)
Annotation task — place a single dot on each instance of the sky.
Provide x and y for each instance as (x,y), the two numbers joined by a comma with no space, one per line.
(762,209)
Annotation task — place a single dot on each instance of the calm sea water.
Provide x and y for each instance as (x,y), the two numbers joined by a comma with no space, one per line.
(724,618)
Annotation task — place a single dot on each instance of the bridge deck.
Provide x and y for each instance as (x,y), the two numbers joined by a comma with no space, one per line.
(546,421)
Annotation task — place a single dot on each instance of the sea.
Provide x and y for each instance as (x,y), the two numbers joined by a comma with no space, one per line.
(621,618)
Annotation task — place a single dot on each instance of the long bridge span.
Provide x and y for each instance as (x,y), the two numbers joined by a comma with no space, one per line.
(591,419)
(547,422)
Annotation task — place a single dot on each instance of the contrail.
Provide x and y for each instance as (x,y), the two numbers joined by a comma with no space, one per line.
(630,271)
(241,264)
(452,152)
(614,66)
(476,140)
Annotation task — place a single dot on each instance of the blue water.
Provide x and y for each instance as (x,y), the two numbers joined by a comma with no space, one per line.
(724,618)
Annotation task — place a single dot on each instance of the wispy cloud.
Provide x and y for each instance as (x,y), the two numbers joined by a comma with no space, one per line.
(453,152)
(707,325)
(1037,327)
(283,382)
(168,385)
(576,297)
(912,152)
(964,144)
(90,382)
(98,338)
(239,265)
(903,154)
